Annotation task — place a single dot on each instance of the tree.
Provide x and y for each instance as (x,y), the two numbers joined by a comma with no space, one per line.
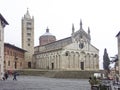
(106,61)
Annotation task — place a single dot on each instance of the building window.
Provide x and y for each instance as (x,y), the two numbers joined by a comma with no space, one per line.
(28,44)
(28,28)
(8,63)
(95,55)
(81,45)
(28,39)
(15,65)
(28,23)
(4,62)
(11,53)
(7,52)
(28,34)
(66,54)
(21,64)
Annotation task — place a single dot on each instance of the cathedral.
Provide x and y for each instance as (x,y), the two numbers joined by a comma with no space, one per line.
(71,53)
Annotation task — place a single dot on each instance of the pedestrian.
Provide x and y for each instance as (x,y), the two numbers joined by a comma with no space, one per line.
(10,72)
(14,75)
(6,75)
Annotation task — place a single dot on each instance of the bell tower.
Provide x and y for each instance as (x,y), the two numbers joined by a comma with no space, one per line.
(28,38)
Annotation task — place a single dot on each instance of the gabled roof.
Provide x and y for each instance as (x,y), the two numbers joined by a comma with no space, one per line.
(3,19)
(13,46)
(118,34)
(54,45)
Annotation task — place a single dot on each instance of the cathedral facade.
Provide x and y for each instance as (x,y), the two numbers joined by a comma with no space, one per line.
(72,53)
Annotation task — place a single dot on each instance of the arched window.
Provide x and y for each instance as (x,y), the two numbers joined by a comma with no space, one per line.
(8,63)
(66,54)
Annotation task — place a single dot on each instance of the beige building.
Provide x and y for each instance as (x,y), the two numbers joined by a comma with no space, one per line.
(28,38)
(72,53)
(3,23)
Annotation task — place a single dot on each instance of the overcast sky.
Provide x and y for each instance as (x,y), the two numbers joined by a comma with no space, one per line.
(102,16)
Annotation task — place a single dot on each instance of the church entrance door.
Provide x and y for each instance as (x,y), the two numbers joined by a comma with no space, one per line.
(52,66)
(29,64)
(82,65)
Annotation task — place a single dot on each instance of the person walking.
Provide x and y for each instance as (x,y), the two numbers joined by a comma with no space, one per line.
(14,75)
(6,75)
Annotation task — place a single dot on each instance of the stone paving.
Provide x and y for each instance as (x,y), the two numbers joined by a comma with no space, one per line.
(43,83)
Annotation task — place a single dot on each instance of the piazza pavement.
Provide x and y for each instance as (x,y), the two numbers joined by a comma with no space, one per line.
(43,83)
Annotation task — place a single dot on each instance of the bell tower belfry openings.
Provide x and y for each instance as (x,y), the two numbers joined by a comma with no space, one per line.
(28,38)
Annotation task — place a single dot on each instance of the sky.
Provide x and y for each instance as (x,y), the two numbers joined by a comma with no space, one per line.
(102,16)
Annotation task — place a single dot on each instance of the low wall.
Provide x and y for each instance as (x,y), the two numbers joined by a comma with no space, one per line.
(58,74)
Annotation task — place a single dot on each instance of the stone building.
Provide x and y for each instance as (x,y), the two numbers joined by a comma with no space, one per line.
(28,38)
(72,53)
(118,41)
(3,23)
(14,57)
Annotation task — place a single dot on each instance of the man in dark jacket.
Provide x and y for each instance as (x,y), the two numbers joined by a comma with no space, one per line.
(14,75)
